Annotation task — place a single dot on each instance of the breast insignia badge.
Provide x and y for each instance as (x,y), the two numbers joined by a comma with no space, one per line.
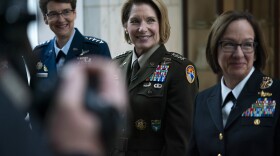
(140,124)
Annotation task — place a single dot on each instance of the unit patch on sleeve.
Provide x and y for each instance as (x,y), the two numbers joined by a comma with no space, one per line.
(190,73)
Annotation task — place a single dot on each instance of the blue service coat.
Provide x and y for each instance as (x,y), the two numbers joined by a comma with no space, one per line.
(80,48)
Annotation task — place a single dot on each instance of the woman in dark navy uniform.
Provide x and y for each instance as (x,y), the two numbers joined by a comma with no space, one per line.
(248,122)
(163,88)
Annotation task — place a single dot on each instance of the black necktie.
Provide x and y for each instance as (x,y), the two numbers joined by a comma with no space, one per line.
(230,97)
(59,56)
(225,110)
(135,68)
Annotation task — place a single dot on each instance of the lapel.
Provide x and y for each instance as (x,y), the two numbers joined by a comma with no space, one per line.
(247,97)
(214,106)
(48,59)
(148,68)
(76,47)
(125,66)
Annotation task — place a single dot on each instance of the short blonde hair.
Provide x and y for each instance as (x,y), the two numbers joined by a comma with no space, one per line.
(161,11)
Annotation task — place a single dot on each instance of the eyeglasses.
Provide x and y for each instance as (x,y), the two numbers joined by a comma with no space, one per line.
(54,15)
(230,47)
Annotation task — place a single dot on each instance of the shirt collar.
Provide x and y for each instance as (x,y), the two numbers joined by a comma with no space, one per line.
(237,89)
(66,47)
(144,57)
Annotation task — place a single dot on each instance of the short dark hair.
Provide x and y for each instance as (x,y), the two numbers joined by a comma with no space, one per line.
(162,15)
(218,29)
(43,4)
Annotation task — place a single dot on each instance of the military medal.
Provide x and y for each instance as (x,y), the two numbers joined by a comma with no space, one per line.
(160,74)
(263,107)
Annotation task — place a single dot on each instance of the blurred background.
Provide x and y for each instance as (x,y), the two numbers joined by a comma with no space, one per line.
(190,23)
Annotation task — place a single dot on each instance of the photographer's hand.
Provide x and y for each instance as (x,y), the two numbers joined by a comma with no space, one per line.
(72,127)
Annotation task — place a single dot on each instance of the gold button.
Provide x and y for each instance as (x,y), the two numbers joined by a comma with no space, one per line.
(221,136)
(257,122)
(219,155)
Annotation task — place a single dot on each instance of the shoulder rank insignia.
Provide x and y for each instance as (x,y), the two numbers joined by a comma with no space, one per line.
(93,39)
(43,43)
(190,73)
(178,56)
(124,54)
(266,83)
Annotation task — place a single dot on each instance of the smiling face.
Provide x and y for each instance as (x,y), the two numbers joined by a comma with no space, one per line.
(236,65)
(62,26)
(143,27)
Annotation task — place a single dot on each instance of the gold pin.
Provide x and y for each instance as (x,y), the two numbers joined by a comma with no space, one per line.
(140,124)
(45,68)
(264,94)
(39,65)
(266,83)
(257,122)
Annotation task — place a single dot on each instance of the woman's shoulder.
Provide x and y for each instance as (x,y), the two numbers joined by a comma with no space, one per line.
(178,58)
(123,55)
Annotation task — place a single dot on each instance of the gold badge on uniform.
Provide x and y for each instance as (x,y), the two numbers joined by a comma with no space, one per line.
(156,125)
(39,65)
(190,73)
(257,122)
(264,94)
(266,83)
(147,84)
(140,124)
(84,52)
(45,68)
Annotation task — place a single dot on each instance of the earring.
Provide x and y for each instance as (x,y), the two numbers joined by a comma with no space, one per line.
(125,31)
